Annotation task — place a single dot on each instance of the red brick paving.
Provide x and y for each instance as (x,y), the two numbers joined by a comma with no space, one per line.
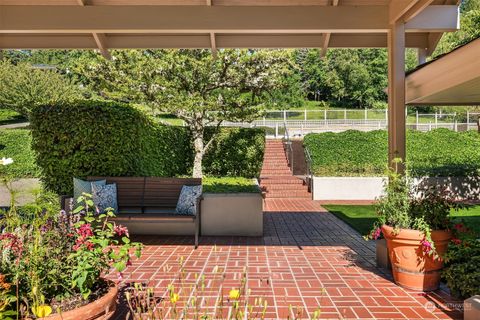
(307,259)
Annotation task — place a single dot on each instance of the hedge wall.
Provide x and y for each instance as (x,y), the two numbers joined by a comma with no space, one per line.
(106,138)
(440,152)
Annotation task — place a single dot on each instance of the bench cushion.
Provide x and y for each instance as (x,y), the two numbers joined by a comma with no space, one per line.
(187,202)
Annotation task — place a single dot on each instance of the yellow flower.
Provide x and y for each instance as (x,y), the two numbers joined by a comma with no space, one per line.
(174,297)
(42,311)
(234,294)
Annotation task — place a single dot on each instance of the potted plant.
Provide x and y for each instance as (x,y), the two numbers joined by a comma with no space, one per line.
(416,226)
(53,262)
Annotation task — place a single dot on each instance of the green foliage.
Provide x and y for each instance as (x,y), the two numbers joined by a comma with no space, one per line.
(102,138)
(235,152)
(229,185)
(10,116)
(53,257)
(439,152)
(16,144)
(22,87)
(348,153)
(94,138)
(192,85)
(469,28)
(461,271)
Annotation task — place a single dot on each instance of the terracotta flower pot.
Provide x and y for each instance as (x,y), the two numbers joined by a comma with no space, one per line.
(411,267)
(101,309)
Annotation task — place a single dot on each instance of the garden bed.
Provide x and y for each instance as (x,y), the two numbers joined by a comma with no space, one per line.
(231,206)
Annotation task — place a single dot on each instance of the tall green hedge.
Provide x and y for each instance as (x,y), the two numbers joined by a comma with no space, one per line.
(106,138)
(440,152)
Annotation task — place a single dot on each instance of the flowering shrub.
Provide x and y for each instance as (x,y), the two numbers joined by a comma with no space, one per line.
(54,260)
(404,207)
(461,263)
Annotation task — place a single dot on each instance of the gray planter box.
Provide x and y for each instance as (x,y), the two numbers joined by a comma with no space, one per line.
(232,214)
(471,308)
(383,259)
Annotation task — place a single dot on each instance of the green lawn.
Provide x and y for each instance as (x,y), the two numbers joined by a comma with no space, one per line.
(361,217)
(15,144)
(9,116)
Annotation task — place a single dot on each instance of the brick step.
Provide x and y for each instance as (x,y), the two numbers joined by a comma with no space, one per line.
(302,195)
(274,173)
(280,180)
(274,157)
(276,166)
(285,170)
(293,187)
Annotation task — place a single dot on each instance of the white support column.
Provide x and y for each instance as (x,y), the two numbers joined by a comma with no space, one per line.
(396,94)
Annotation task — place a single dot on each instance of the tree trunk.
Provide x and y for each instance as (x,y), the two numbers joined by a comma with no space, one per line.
(198,145)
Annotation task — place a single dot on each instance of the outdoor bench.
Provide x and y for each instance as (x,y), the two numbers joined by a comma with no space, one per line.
(144,203)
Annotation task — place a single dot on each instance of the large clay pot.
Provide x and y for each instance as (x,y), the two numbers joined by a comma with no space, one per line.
(101,309)
(411,267)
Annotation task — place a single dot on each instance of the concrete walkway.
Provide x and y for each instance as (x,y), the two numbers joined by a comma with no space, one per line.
(24,189)
(15,125)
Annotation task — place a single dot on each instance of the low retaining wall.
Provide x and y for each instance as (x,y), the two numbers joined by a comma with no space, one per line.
(347,188)
(370,188)
(232,214)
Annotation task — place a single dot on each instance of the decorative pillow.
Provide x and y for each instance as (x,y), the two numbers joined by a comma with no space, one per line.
(105,197)
(187,202)
(82,186)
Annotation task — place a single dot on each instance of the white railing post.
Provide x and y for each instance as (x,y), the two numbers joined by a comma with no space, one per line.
(366,114)
(305,116)
(345,116)
(325,116)
(416,120)
(264,121)
(276,130)
(468,120)
(386,116)
(455,126)
(284,115)
(436,120)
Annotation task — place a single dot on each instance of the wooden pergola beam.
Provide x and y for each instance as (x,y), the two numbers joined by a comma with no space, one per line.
(203,41)
(99,38)
(326,39)
(405,10)
(396,96)
(206,19)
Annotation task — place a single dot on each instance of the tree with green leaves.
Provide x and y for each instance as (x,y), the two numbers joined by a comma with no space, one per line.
(22,87)
(193,85)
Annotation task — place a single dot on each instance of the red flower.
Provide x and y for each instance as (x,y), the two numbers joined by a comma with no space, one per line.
(456,241)
(121,230)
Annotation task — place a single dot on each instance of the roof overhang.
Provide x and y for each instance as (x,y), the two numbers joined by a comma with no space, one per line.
(110,24)
(452,79)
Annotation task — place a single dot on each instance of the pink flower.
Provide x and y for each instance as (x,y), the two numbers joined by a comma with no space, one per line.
(121,230)
(376,233)
(85,230)
(427,246)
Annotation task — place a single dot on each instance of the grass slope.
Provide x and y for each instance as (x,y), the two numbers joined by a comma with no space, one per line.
(361,217)
(15,144)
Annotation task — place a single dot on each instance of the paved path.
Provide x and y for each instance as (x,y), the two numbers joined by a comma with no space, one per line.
(24,187)
(15,125)
(307,259)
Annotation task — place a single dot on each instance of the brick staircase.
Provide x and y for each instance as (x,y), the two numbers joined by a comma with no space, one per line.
(276,178)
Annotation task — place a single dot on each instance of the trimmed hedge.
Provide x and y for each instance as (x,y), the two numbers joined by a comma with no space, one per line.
(108,138)
(15,144)
(439,152)
(235,152)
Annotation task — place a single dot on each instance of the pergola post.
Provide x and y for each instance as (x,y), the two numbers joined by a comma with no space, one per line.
(396,95)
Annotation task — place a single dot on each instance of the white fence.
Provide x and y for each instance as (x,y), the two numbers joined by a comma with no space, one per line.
(301,122)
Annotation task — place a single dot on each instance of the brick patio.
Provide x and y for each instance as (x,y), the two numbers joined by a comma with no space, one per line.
(307,258)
